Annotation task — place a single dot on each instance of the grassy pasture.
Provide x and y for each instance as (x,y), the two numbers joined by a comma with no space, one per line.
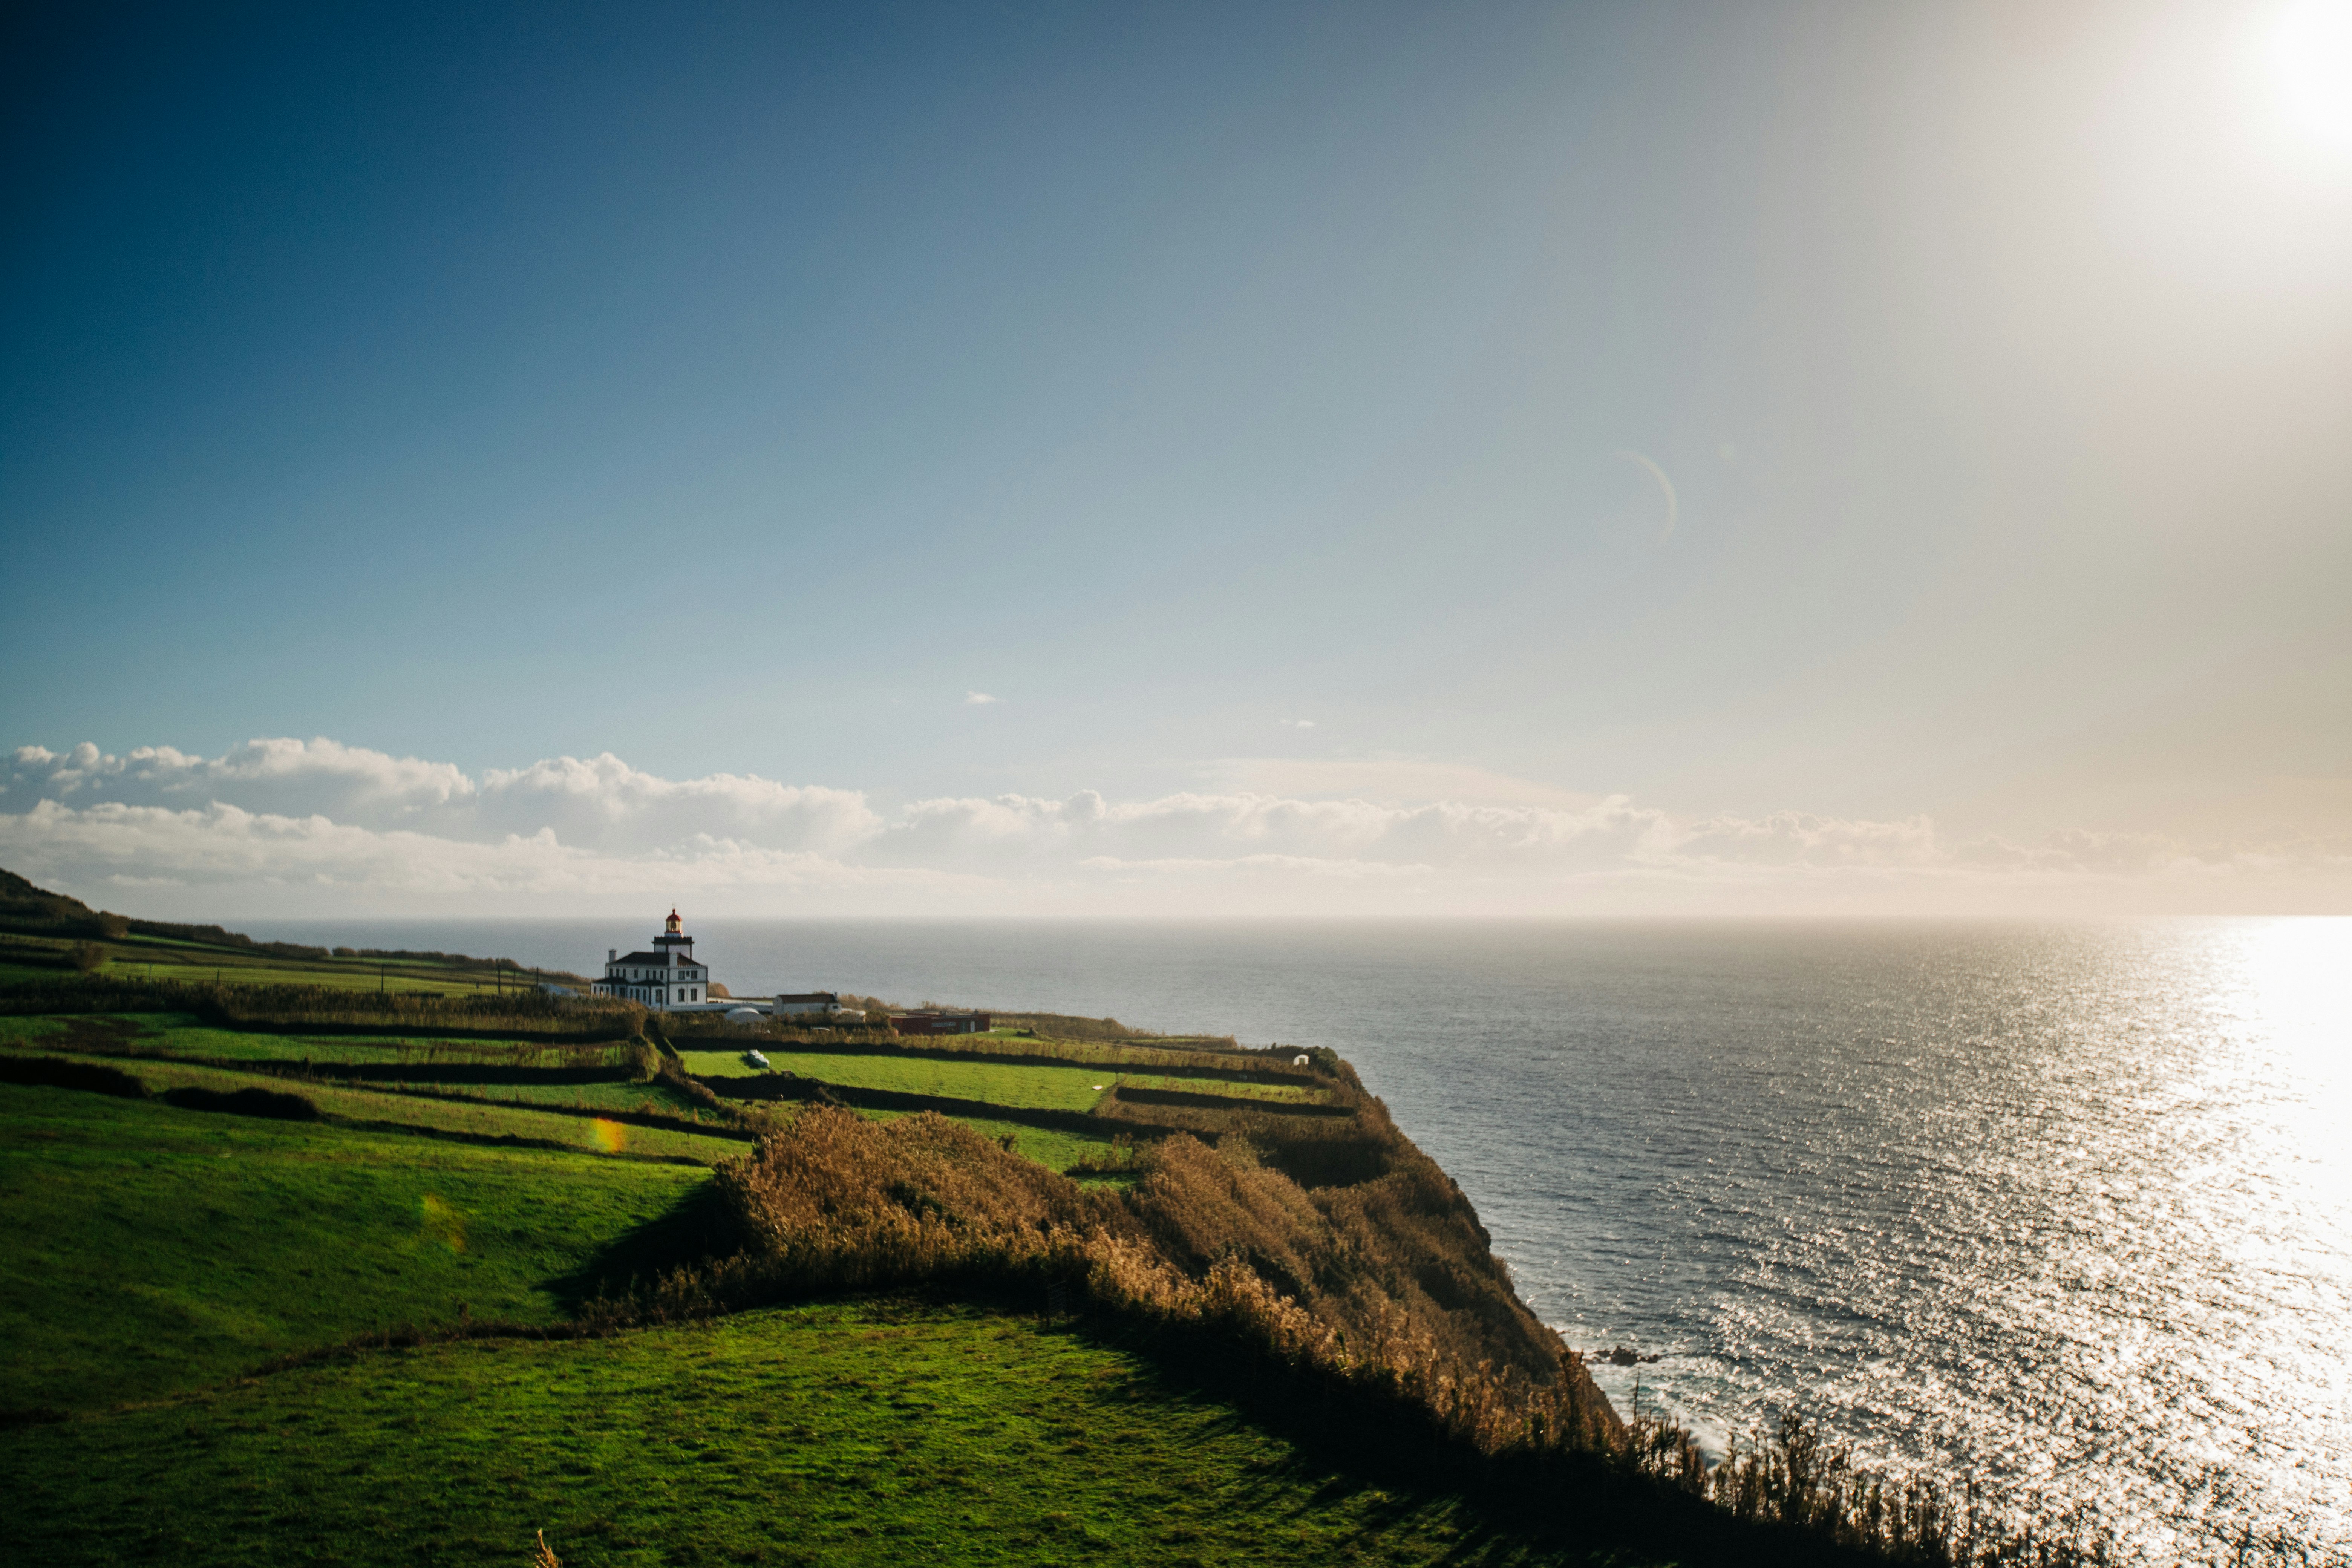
(1075,1087)
(142,957)
(485,1117)
(153,1249)
(654,1097)
(178,1035)
(1035,1087)
(175,1035)
(1191,1054)
(1273,1093)
(859,1433)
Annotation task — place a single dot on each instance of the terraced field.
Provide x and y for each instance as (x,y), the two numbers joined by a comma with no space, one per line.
(153,1249)
(1015,1084)
(177,1035)
(164,1255)
(1056,1148)
(996,1083)
(149,956)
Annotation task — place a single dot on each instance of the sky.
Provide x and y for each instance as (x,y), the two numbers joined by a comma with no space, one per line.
(1496,459)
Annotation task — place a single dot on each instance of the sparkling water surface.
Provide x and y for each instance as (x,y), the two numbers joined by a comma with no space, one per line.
(2067,1208)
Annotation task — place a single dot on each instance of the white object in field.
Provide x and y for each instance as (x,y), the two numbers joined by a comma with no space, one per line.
(850,1015)
(1298,1061)
(755,1059)
(744,1015)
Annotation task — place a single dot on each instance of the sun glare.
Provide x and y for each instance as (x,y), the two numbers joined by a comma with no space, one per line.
(2311,61)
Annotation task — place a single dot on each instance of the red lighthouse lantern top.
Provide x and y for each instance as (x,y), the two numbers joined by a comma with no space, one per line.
(671,925)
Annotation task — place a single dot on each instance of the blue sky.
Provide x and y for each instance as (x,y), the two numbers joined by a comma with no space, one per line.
(1853,415)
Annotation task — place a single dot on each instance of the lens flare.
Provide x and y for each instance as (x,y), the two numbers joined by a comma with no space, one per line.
(443,1222)
(2311,60)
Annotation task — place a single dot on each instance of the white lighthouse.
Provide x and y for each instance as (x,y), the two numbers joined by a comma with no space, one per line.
(662,978)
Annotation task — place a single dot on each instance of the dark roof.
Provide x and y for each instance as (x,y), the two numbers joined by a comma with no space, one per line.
(808,997)
(657,960)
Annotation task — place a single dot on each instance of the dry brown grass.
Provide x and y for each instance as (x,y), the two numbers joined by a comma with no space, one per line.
(1387,1286)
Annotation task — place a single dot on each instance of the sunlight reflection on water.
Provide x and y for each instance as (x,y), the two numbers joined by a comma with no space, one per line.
(2072,1208)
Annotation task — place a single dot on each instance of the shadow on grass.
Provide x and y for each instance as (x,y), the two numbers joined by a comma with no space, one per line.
(1556,1508)
(1471,1508)
(694,1230)
(1458,1505)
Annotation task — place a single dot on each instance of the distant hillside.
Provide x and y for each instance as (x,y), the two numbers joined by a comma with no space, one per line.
(37,911)
(27,909)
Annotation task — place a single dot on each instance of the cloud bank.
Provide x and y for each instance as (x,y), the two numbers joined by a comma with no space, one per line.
(315,828)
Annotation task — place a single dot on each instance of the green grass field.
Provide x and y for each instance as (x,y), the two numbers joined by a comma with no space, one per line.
(491,1113)
(1275,1093)
(1030,1087)
(650,1096)
(178,1035)
(152,1248)
(998,1083)
(173,958)
(858,1433)
(161,1258)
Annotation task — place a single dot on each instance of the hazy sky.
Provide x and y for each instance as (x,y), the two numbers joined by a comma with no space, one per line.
(1529,459)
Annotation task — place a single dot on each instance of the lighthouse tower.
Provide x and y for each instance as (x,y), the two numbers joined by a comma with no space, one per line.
(663,977)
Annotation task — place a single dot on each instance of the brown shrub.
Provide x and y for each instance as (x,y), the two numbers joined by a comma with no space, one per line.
(1390,1288)
(833,1201)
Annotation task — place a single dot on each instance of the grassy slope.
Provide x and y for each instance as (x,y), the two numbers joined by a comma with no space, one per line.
(1042,1087)
(164,1252)
(998,1083)
(861,1433)
(144,957)
(647,1097)
(1049,1146)
(178,1035)
(152,1248)
(489,1113)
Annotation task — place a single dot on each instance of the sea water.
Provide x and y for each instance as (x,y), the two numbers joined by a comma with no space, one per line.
(2067,1209)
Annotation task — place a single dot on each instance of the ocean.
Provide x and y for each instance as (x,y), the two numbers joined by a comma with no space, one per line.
(2066,1208)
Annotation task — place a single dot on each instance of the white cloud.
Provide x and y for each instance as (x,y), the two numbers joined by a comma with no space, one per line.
(603,801)
(1396,779)
(316,827)
(979,698)
(599,802)
(350,783)
(1798,838)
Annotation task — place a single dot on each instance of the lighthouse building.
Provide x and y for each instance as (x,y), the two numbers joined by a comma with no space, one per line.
(664,979)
